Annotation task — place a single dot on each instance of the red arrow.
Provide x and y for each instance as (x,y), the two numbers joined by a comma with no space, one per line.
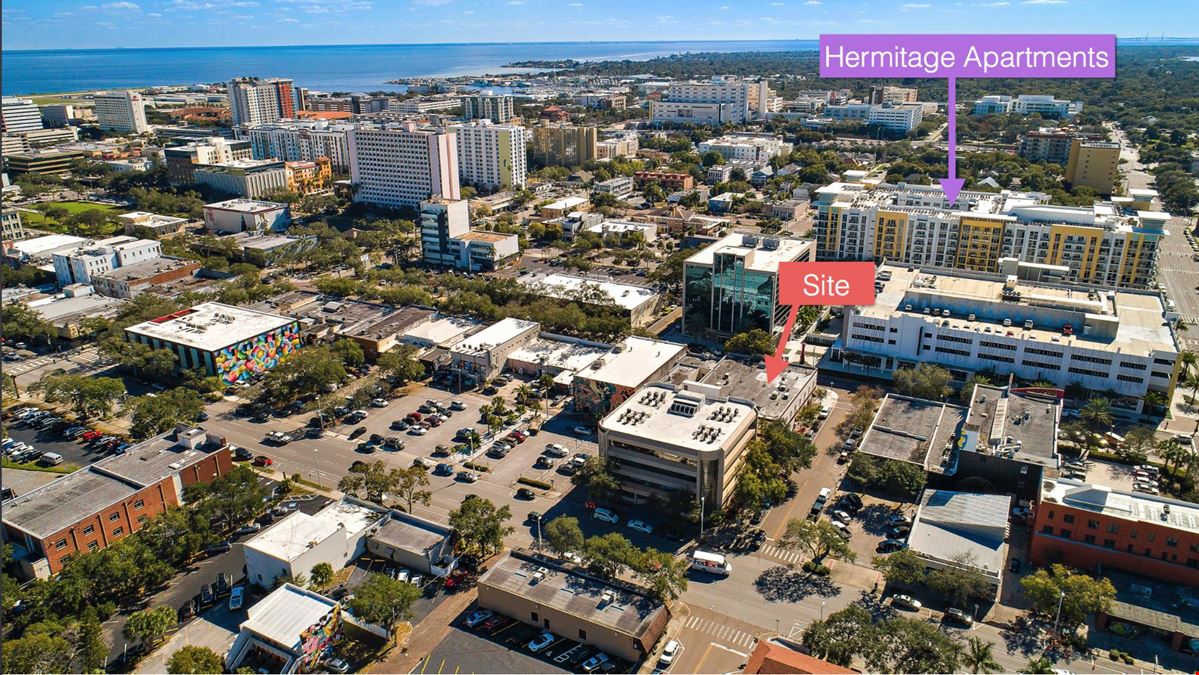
(775,365)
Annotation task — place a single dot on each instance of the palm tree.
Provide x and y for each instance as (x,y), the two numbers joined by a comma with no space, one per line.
(1097,413)
(1189,360)
(524,394)
(1192,382)
(978,656)
(1155,400)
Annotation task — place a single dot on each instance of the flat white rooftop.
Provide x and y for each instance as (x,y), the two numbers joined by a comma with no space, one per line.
(286,613)
(762,254)
(147,218)
(289,538)
(632,361)
(442,331)
(569,287)
(565,203)
(246,205)
(1134,506)
(495,335)
(555,354)
(210,326)
(693,416)
(32,247)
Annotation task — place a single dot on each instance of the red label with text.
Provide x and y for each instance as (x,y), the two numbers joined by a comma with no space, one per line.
(826,283)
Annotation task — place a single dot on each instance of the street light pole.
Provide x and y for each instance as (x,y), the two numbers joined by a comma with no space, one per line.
(1060,597)
(822,610)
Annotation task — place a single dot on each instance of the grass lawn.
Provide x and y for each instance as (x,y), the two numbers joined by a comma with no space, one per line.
(80,207)
(41,221)
(35,466)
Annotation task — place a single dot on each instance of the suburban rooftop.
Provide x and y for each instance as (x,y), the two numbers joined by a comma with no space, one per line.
(914,430)
(1020,424)
(295,534)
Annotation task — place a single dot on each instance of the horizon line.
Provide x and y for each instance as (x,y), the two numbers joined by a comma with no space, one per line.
(458,44)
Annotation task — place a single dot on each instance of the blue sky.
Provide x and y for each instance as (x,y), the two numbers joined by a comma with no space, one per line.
(46,24)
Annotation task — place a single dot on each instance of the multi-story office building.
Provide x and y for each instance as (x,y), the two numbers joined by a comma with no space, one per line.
(256,101)
(1095,526)
(302,141)
(1105,244)
(689,438)
(356,104)
(400,165)
(246,215)
(246,178)
(625,144)
(41,161)
(605,100)
(1093,164)
(19,114)
(123,111)
(890,94)
(492,156)
(13,230)
(719,100)
(1026,104)
(903,117)
(621,186)
(26,141)
(617,375)
(732,285)
(564,145)
(746,147)
(79,266)
(669,180)
(60,115)
(448,241)
(424,105)
(1103,340)
(181,160)
(498,109)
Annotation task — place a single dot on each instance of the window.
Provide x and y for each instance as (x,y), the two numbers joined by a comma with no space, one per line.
(114,516)
(1109,543)
(1172,542)
(535,619)
(1090,539)
(1113,529)
(89,529)
(139,503)
(1069,518)
(1092,524)
(118,532)
(1051,512)
(60,544)
(142,519)
(1066,533)
(582,634)
(1046,529)
(93,546)
(1152,536)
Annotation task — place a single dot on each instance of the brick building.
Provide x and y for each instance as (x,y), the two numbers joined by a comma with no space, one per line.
(91,508)
(1087,526)
(667,179)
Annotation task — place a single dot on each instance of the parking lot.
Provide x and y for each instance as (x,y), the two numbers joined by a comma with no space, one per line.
(74,453)
(465,652)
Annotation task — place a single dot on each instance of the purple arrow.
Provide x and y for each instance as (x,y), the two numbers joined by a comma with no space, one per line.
(953,185)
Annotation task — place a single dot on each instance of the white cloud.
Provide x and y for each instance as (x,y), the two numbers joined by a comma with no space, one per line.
(915,5)
(1043,2)
(780,4)
(153,15)
(724,8)
(190,5)
(127,6)
(575,4)
(516,2)
(812,2)
(243,3)
(288,19)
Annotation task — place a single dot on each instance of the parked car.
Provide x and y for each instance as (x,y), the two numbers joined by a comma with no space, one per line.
(467,477)
(207,597)
(356,433)
(379,402)
(891,545)
(457,405)
(592,664)
(669,653)
(541,642)
(236,597)
(906,602)
(555,450)
(640,526)
(544,462)
(533,517)
(418,431)
(263,460)
(605,515)
(525,493)
(219,547)
(337,666)
(842,516)
(477,617)
(251,528)
(242,454)
(582,430)
(842,529)
(444,470)
(900,532)
(955,614)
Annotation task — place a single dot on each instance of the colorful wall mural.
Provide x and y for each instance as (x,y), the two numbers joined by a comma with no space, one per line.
(256,355)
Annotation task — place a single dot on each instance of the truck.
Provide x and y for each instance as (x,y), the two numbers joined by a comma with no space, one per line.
(713,563)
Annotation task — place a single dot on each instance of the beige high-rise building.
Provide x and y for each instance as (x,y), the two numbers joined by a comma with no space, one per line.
(1093,164)
(564,145)
(889,94)
(399,165)
(121,111)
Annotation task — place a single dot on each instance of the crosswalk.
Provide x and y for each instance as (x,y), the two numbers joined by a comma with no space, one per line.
(780,554)
(86,358)
(721,632)
(25,366)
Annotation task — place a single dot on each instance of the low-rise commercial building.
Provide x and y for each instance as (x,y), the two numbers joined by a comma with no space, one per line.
(746,147)
(415,543)
(638,303)
(1026,104)
(779,400)
(144,223)
(611,616)
(448,241)
(69,311)
(612,378)
(1116,341)
(229,342)
(962,530)
(132,280)
(13,230)
(246,215)
(669,180)
(690,438)
(621,186)
(562,207)
(1092,526)
(41,161)
(621,232)
(483,355)
(105,255)
(557,356)
(92,508)
(245,178)
(292,546)
(379,336)
(915,431)
(1010,436)
(288,631)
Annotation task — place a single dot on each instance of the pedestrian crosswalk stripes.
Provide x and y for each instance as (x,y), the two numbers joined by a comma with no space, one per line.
(781,554)
(721,632)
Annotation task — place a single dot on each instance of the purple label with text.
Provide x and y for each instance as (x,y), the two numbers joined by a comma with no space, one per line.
(968,56)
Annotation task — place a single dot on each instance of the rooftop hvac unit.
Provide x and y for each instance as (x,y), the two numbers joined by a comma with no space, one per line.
(749,241)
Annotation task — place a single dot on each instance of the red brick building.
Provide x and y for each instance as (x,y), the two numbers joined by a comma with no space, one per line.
(771,658)
(667,179)
(91,508)
(1086,526)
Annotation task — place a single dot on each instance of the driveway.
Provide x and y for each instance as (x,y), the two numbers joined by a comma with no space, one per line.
(216,629)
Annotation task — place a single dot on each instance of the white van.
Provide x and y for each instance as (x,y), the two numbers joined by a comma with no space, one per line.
(51,459)
(711,562)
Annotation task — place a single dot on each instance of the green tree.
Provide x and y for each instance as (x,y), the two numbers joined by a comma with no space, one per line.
(195,660)
(400,365)
(967,391)
(1139,441)
(294,579)
(371,481)
(321,574)
(307,372)
(842,636)
(22,323)
(410,486)
(150,625)
(752,342)
(480,526)
(38,652)
(663,572)
(902,568)
(1097,413)
(383,600)
(609,555)
(232,499)
(817,538)
(601,485)
(979,656)
(177,535)
(792,450)
(1078,593)
(564,535)
(759,481)
(910,646)
(1039,665)
(924,381)
(154,414)
(900,479)
(961,581)
(88,396)
(350,352)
